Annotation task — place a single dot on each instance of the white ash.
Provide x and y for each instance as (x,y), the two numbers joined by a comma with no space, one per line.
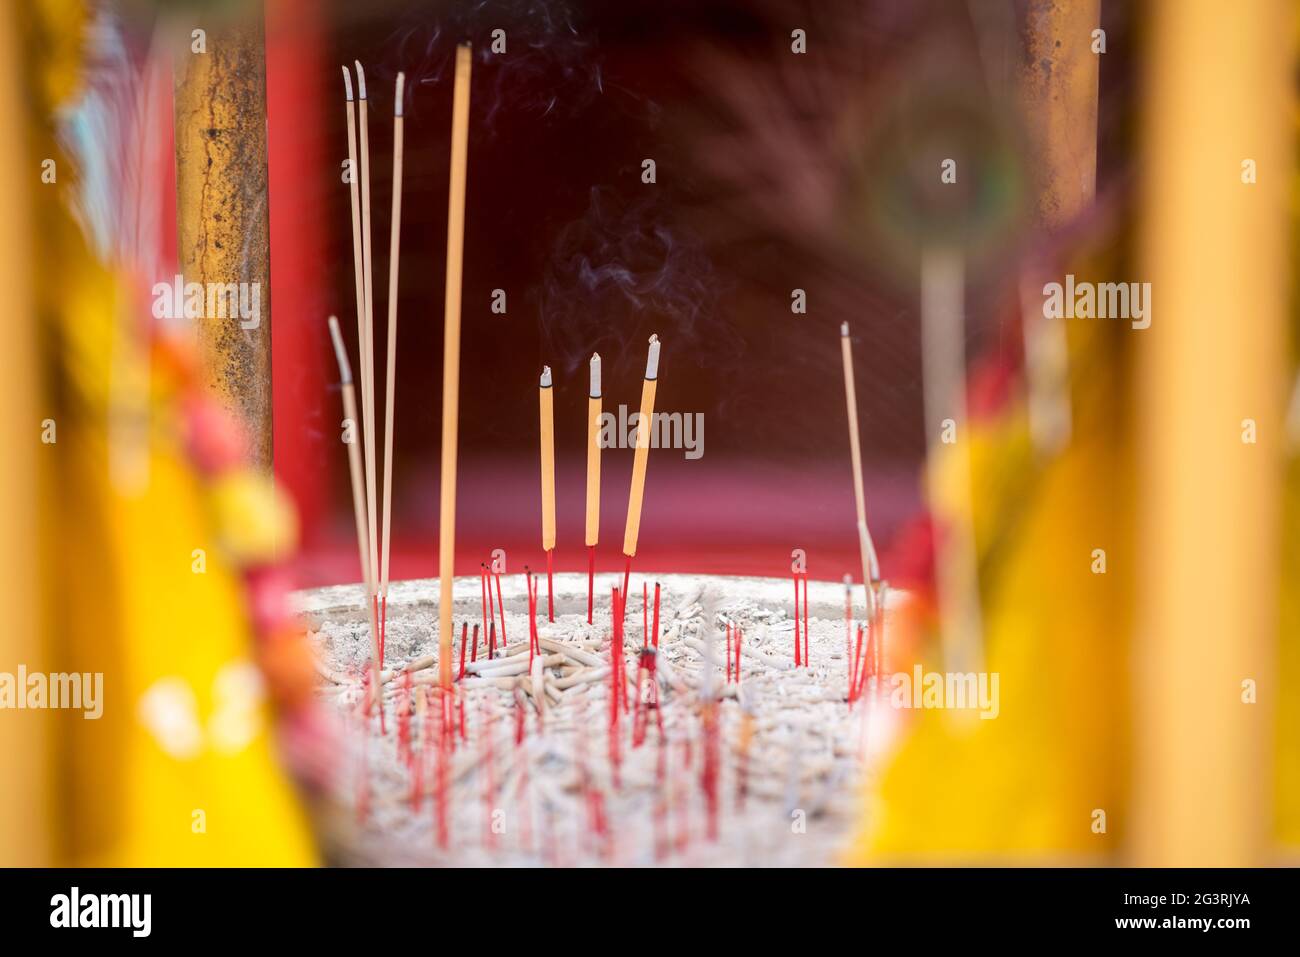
(805,760)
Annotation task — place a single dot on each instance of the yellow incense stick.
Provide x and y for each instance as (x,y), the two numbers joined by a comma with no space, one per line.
(451,357)
(390,377)
(593,454)
(645,426)
(358,492)
(867,548)
(546,409)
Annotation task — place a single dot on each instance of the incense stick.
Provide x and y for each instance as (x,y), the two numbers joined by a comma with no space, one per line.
(368,345)
(592,537)
(645,426)
(546,414)
(451,354)
(358,499)
(358,266)
(867,549)
(390,378)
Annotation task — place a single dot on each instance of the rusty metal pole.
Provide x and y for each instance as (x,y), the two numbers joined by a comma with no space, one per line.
(221,210)
(1058,92)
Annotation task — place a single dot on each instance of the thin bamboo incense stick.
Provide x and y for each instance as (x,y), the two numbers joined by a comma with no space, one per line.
(546,415)
(870,564)
(360,281)
(645,426)
(592,537)
(368,346)
(390,377)
(358,497)
(451,355)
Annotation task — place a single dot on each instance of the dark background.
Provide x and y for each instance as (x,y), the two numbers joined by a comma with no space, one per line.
(775,171)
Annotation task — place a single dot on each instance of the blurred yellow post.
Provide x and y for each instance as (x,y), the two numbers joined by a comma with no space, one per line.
(1210,396)
(24,797)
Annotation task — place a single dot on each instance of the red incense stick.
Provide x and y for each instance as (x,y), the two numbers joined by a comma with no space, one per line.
(807,652)
(728,652)
(464,635)
(487,598)
(853,671)
(739,632)
(655,632)
(591,581)
(627,573)
(797,661)
(550,584)
(501,608)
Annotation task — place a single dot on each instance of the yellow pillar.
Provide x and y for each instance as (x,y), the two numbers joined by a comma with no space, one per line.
(24,798)
(1214,250)
(221,205)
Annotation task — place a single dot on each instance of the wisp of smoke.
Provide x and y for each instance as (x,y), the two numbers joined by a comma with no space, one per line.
(621,270)
(549,66)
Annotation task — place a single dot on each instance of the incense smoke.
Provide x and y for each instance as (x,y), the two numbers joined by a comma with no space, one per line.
(549,67)
(621,271)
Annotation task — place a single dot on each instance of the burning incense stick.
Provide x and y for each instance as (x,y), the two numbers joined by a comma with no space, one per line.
(367,346)
(390,380)
(546,413)
(451,355)
(358,500)
(361,283)
(645,426)
(870,564)
(593,479)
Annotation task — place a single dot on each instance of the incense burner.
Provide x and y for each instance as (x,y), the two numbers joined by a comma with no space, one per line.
(531,762)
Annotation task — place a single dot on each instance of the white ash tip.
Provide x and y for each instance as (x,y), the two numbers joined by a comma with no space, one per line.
(848,582)
(546,377)
(347,83)
(652,359)
(361,81)
(399,95)
(595,375)
(340,354)
(844,329)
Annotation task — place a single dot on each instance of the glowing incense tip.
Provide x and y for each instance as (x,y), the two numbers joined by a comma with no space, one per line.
(546,377)
(652,359)
(347,83)
(594,392)
(844,329)
(340,353)
(361,81)
(399,95)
